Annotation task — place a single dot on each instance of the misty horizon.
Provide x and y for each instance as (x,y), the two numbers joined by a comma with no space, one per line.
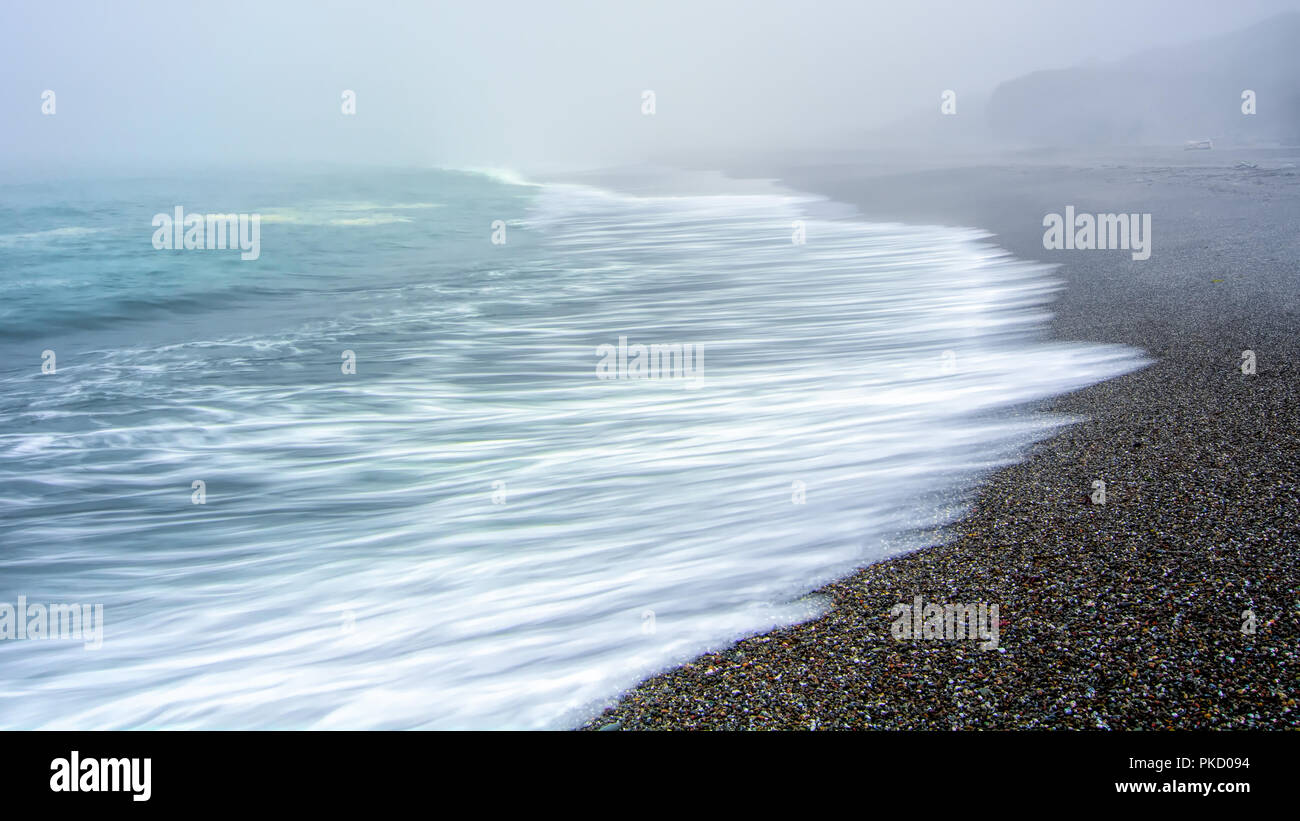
(526,88)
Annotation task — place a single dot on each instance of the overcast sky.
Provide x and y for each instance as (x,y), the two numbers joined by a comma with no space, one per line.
(523,84)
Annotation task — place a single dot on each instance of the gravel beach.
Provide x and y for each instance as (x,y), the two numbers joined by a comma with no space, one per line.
(1125,615)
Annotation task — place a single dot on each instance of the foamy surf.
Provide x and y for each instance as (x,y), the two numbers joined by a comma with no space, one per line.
(474,530)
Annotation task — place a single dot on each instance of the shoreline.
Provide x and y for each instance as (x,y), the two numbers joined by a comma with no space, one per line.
(1123,615)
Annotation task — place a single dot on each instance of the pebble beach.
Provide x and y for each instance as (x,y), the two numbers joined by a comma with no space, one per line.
(1174,603)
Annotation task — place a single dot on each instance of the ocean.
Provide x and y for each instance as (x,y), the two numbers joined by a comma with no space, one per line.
(377,478)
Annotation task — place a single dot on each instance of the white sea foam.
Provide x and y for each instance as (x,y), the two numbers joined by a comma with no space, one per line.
(52,235)
(499,174)
(344,213)
(350,567)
